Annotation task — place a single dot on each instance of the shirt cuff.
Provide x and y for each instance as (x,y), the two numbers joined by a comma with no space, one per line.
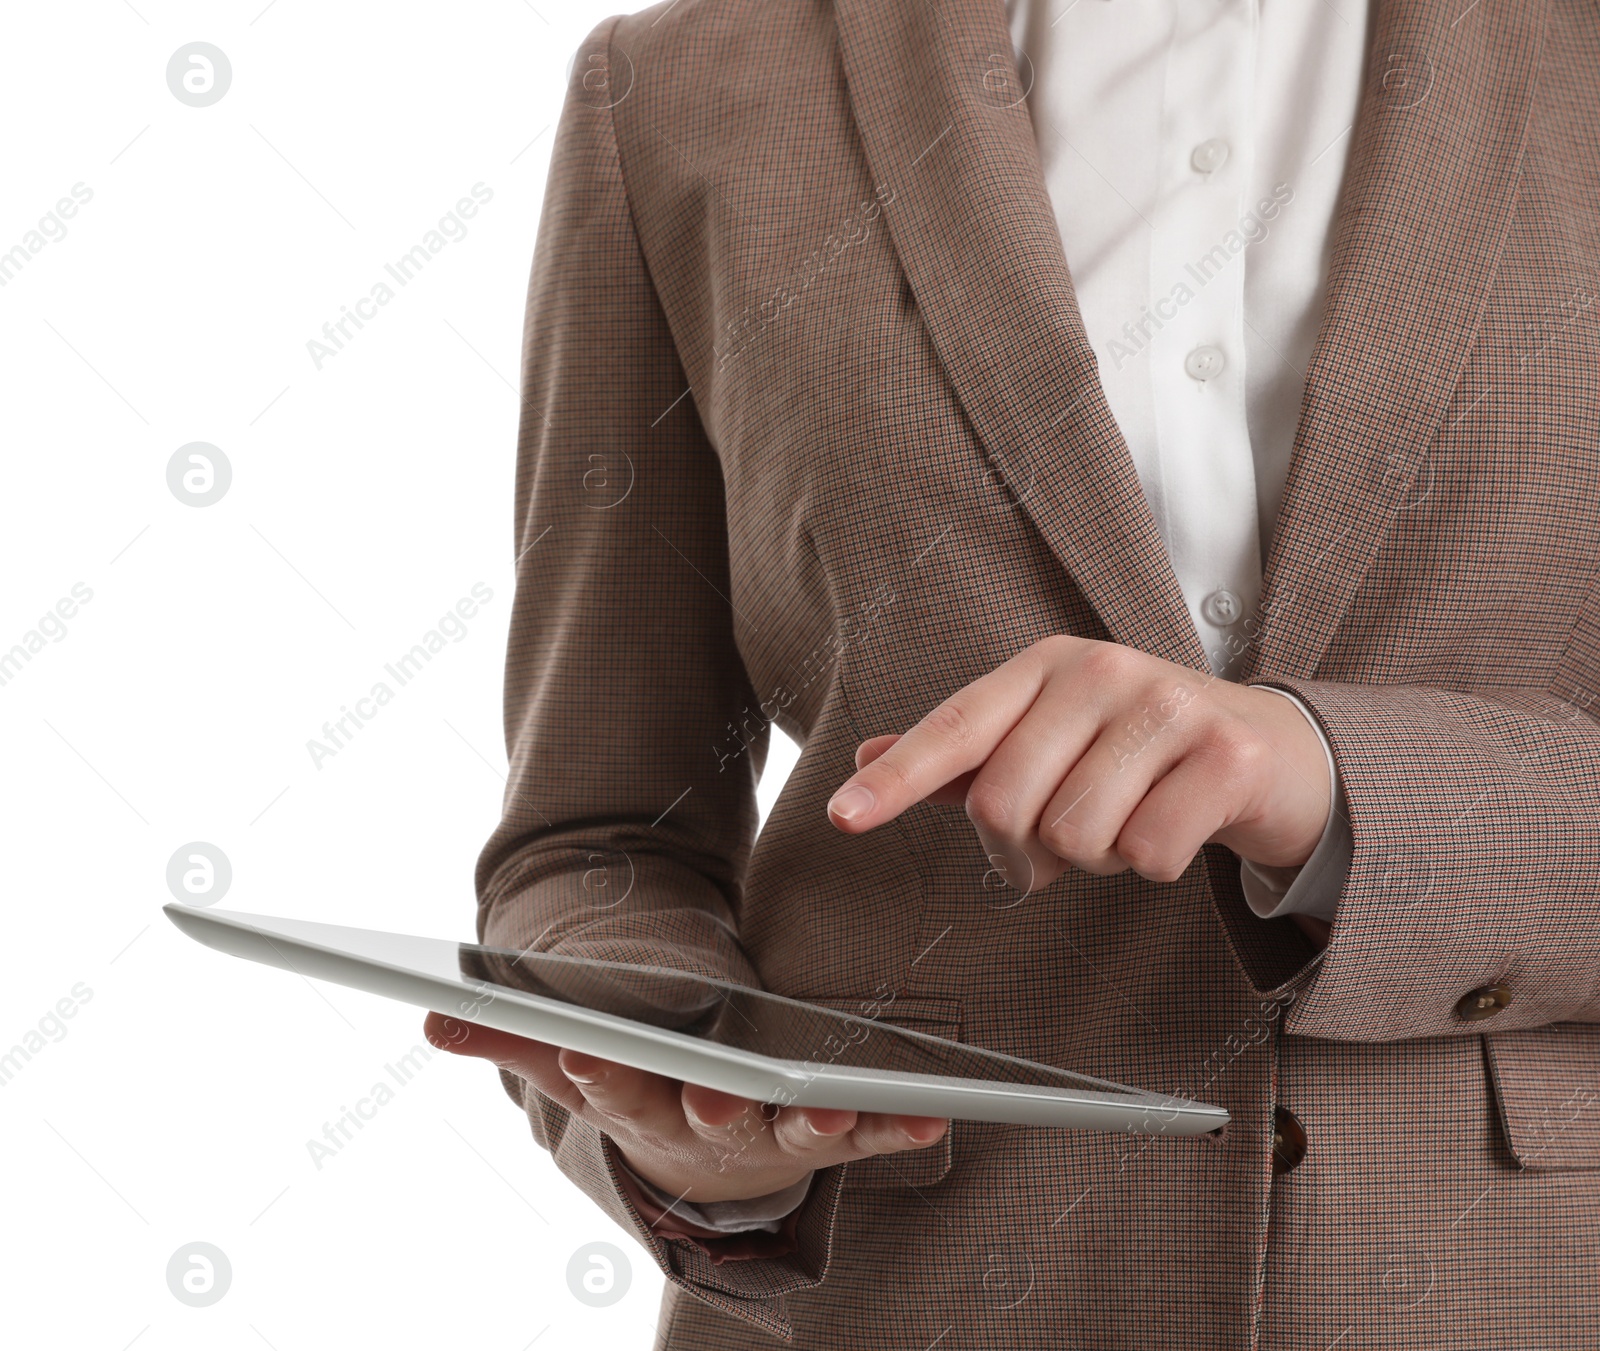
(763,1213)
(1313,887)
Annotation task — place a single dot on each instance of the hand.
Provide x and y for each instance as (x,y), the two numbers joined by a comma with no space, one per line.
(1105,758)
(690,1141)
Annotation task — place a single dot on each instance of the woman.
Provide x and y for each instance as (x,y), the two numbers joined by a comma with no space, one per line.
(1120,615)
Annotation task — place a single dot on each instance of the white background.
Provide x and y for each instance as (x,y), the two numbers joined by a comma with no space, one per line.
(175,1106)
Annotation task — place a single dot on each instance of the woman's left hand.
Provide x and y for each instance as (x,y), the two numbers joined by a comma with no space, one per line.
(1105,758)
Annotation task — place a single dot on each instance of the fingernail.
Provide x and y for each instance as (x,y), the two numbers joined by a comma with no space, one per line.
(849,804)
(578,1069)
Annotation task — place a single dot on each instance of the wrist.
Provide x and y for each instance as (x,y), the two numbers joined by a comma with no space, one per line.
(701,1187)
(660,1218)
(1299,794)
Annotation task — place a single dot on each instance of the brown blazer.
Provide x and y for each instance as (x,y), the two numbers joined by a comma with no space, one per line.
(812,434)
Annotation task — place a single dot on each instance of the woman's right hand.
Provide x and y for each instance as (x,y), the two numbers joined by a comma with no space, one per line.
(695,1143)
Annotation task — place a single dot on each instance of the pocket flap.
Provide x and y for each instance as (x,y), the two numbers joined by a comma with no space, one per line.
(1547,1087)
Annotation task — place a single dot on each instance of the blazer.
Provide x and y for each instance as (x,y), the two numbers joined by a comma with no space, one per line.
(811,435)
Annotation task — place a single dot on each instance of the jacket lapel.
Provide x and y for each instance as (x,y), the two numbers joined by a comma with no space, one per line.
(937,99)
(1428,197)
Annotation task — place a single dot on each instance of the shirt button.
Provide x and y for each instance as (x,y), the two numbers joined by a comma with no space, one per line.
(1476,1005)
(1222,608)
(1205,363)
(1288,1141)
(1209,156)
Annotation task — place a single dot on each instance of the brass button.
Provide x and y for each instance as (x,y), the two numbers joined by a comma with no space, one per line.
(1288,1141)
(1484,1002)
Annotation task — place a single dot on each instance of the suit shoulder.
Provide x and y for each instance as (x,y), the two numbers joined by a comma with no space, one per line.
(695,35)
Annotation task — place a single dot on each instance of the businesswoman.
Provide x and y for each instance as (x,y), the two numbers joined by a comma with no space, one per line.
(1145,457)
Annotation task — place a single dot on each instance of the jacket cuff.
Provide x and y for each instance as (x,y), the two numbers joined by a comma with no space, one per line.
(1475,859)
(667,1220)
(751,1290)
(746,1275)
(765,1214)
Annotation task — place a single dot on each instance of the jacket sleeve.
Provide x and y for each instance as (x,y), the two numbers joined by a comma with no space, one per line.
(1475,864)
(629,812)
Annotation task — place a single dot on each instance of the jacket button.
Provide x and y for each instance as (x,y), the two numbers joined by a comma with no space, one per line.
(1484,1002)
(1288,1141)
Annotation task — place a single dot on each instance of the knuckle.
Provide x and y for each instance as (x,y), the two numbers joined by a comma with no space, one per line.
(1237,751)
(1150,858)
(1158,698)
(887,771)
(1066,835)
(952,722)
(1063,837)
(1049,652)
(990,807)
(1140,851)
(1109,664)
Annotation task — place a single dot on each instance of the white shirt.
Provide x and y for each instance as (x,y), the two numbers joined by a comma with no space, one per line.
(1193,151)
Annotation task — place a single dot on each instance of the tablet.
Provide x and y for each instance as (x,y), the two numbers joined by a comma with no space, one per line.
(729,1037)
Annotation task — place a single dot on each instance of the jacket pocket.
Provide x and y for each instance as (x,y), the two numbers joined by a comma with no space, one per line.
(1547,1088)
(911,1168)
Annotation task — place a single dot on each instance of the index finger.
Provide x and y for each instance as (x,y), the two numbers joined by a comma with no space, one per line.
(535,1061)
(954,737)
